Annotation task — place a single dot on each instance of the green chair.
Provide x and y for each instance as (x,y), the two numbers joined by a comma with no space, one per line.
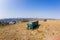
(33,25)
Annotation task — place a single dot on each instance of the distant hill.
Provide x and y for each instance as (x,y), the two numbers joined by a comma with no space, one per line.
(23,19)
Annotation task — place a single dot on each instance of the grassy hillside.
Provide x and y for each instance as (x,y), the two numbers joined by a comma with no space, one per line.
(46,31)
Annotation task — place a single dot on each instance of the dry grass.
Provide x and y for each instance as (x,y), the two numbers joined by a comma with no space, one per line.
(46,31)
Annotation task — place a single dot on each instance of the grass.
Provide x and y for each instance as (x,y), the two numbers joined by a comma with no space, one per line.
(20,32)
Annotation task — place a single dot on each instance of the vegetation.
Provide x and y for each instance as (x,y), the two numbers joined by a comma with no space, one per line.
(46,31)
(2,23)
(45,20)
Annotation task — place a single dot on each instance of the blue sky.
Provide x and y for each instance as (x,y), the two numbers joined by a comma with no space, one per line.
(30,9)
